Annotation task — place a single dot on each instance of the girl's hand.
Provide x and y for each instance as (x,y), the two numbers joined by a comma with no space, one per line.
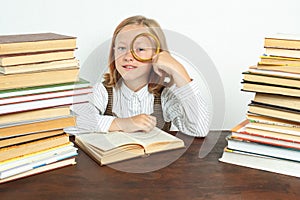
(142,122)
(165,63)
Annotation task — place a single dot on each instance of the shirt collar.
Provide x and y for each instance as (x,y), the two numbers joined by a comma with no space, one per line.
(129,94)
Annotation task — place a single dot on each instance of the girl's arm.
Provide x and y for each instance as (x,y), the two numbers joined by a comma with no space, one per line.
(187,110)
(182,103)
(165,63)
(91,118)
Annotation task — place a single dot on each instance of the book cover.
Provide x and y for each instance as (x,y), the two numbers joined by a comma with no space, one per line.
(26,127)
(274,111)
(42,161)
(276,60)
(81,83)
(265,163)
(279,68)
(37,114)
(18,59)
(263,149)
(51,77)
(45,168)
(37,42)
(283,40)
(290,53)
(31,147)
(6,142)
(41,66)
(28,158)
(278,100)
(44,103)
(255,70)
(44,96)
(270,89)
(245,132)
(274,80)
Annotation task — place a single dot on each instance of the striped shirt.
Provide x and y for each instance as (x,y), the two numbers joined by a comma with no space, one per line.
(183,106)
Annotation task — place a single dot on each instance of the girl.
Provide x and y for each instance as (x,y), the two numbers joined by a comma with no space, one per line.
(134,97)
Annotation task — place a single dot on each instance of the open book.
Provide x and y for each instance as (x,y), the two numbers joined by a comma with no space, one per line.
(117,146)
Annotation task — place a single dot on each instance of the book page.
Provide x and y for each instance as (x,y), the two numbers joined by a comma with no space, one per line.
(156,139)
(106,142)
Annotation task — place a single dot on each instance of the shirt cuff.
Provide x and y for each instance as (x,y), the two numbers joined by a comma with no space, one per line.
(105,123)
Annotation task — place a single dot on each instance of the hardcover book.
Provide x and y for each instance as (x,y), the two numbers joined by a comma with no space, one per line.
(283,41)
(274,80)
(41,66)
(266,163)
(17,59)
(13,81)
(38,42)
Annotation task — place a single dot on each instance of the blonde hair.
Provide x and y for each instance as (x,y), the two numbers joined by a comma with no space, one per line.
(156,83)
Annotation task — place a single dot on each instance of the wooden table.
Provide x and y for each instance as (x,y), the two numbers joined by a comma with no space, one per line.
(189,177)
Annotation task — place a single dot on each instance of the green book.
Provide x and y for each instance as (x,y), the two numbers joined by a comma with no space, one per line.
(45,88)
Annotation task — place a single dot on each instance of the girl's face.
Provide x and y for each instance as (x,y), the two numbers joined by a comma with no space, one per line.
(131,70)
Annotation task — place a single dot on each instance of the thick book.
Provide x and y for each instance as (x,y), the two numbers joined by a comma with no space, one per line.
(278,100)
(33,115)
(41,66)
(270,89)
(18,59)
(28,158)
(271,120)
(13,81)
(274,124)
(37,42)
(43,103)
(280,61)
(40,161)
(289,129)
(283,41)
(106,148)
(44,168)
(44,96)
(28,137)
(274,80)
(274,111)
(279,68)
(27,127)
(242,131)
(81,83)
(290,53)
(265,163)
(254,69)
(31,147)
(236,143)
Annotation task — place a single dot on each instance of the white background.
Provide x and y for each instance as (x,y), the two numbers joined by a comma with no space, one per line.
(231,31)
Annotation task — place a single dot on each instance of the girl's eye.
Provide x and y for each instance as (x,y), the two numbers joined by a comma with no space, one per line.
(140,49)
(121,49)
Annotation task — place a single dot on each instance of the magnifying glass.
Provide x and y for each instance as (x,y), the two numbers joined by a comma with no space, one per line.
(144,47)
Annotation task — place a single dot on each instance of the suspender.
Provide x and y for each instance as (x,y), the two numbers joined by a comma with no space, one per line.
(157,110)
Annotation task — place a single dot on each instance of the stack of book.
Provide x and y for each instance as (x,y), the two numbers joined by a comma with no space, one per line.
(269,139)
(38,84)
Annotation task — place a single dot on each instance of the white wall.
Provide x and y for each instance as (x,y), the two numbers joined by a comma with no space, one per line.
(231,31)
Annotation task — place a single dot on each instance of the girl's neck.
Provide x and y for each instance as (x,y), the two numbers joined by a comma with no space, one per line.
(134,86)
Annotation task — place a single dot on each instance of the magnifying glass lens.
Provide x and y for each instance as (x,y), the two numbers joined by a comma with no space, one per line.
(144,47)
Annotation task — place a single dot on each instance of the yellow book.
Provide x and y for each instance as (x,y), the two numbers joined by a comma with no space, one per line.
(38,42)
